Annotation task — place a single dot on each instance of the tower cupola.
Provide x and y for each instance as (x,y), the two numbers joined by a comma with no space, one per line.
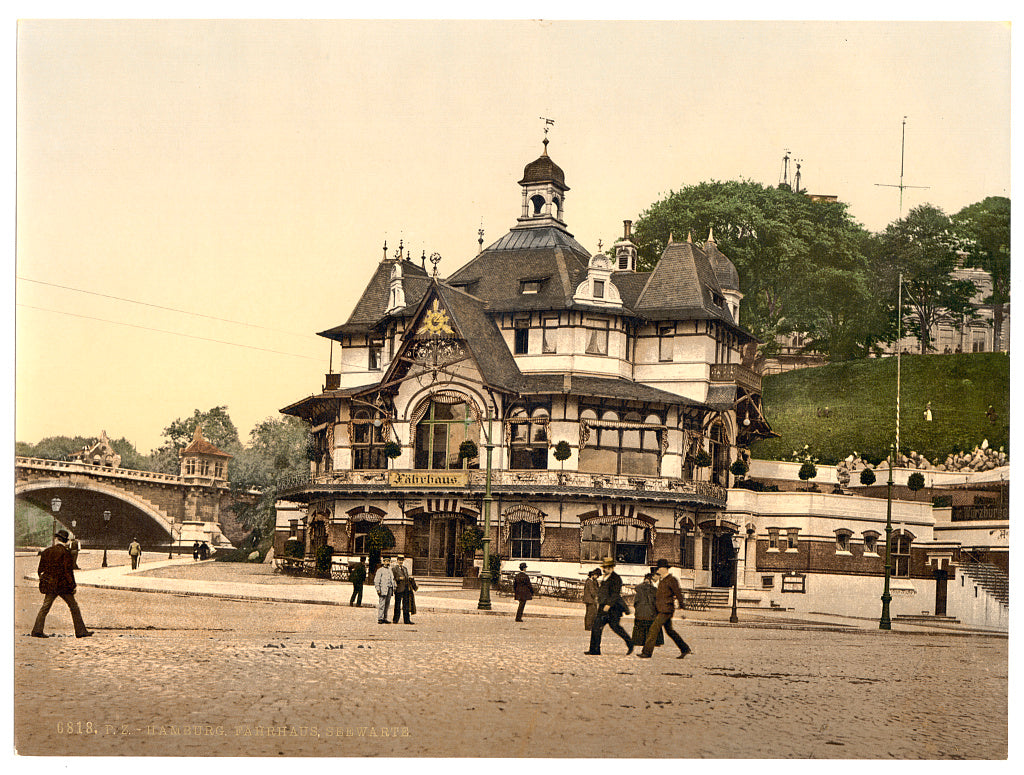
(543,192)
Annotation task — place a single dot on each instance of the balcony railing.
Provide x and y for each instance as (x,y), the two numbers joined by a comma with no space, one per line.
(555,481)
(735,372)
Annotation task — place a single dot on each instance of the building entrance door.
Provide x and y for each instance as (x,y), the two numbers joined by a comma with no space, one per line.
(435,541)
(941,577)
(723,560)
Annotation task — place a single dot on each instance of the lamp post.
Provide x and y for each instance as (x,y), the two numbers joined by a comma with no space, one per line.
(485,572)
(106,540)
(884,623)
(55,506)
(736,542)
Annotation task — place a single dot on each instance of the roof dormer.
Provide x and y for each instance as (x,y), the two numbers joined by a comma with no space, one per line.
(598,288)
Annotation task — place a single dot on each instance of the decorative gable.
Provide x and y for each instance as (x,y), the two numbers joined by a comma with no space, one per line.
(598,289)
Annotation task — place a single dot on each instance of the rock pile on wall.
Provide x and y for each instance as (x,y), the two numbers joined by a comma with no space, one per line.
(981,458)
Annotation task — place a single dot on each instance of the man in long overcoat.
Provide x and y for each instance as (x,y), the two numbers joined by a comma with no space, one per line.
(665,602)
(57,579)
(403,590)
(522,590)
(610,608)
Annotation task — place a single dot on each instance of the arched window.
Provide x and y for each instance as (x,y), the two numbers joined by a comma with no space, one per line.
(538,204)
(367,442)
(843,540)
(444,425)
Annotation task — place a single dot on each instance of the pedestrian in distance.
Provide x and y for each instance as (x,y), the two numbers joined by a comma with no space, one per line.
(57,579)
(195,551)
(522,590)
(403,590)
(668,593)
(204,551)
(590,598)
(75,547)
(644,611)
(928,412)
(384,583)
(135,552)
(610,608)
(358,577)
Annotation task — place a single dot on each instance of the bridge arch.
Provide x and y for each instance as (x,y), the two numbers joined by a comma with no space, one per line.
(85,501)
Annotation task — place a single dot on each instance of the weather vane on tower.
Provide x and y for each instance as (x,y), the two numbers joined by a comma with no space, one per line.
(548,122)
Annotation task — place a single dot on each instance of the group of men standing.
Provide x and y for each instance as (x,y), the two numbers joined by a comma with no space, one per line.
(610,608)
(394,581)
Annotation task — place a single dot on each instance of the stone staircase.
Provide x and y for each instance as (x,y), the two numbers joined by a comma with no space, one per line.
(717,597)
(989,577)
(925,619)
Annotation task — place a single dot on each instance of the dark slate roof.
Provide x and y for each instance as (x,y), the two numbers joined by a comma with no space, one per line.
(543,170)
(600,387)
(681,286)
(486,345)
(725,269)
(546,253)
(372,304)
(721,397)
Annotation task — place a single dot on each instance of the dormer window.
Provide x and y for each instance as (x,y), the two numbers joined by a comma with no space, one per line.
(531,286)
(598,289)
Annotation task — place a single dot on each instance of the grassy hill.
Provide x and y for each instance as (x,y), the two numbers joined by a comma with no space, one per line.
(861,400)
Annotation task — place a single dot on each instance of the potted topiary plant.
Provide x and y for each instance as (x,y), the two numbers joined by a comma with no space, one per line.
(323,561)
(392,450)
(467,451)
(470,539)
(807,471)
(702,459)
(867,477)
(915,482)
(562,452)
(739,468)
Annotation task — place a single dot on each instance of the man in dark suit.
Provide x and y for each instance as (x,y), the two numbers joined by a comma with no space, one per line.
(665,603)
(610,608)
(403,590)
(522,590)
(57,579)
(358,577)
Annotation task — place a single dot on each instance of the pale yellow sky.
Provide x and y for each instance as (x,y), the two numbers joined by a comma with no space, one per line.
(251,171)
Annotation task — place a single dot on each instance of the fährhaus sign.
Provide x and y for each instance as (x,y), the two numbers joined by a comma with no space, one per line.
(428,478)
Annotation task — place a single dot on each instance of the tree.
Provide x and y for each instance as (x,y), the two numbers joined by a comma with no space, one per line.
(922,247)
(801,263)
(867,476)
(276,452)
(984,228)
(562,452)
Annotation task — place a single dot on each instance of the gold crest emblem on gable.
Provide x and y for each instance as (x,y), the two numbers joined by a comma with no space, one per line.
(435,322)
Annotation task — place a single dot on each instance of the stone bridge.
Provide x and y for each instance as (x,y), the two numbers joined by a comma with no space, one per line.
(161,510)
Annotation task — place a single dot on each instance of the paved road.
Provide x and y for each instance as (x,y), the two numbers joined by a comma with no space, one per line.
(169,674)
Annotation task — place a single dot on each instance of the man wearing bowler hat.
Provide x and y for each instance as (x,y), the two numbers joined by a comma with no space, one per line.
(665,603)
(610,608)
(57,579)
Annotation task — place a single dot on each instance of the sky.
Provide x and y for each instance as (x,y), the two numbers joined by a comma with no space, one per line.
(196,199)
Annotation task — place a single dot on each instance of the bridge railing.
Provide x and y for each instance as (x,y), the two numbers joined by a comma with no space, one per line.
(67,466)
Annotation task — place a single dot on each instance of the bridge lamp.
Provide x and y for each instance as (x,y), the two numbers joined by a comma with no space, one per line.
(106,524)
(55,505)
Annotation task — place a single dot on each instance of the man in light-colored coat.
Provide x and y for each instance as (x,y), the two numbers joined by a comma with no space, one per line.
(384,583)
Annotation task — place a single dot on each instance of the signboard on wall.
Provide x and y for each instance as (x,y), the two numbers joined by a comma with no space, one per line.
(439,479)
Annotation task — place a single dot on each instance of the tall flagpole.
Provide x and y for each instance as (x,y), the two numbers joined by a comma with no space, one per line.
(899,350)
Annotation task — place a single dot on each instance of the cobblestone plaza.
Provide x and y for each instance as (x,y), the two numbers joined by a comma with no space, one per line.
(169,674)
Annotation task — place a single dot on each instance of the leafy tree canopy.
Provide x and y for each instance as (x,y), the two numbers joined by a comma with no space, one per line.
(923,247)
(984,232)
(801,262)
